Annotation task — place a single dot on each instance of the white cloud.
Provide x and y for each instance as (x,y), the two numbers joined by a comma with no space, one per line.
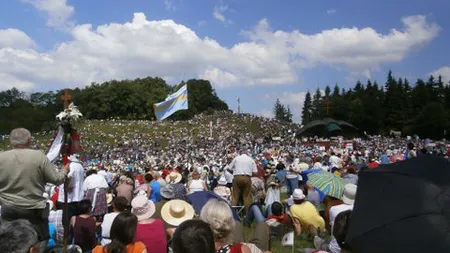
(57,11)
(218,14)
(164,48)
(14,38)
(266,113)
(444,72)
(331,11)
(8,82)
(170,6)
(360,50)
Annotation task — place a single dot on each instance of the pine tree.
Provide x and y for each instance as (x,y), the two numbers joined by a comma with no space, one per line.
(307,109)
(288,115)
(336,91)
(317,105)
(278,110)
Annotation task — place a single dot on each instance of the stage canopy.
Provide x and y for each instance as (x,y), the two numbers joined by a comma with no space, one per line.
(328,127)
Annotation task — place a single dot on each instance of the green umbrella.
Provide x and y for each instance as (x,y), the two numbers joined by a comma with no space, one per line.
(328,183)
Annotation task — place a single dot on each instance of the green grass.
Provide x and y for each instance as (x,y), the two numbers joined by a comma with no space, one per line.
(301,242)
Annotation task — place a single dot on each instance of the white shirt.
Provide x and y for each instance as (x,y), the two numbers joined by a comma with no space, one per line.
(76,176)
(106,227)
(243,165)
(317,166)
(95,181)
(335,161)
(334,211)
(196,185)
(292,171)
(228,176)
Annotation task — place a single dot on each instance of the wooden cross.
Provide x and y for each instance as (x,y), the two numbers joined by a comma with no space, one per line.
(67,98)
(328,107)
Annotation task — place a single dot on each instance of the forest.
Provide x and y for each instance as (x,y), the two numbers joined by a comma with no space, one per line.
(125,99)
(422,108)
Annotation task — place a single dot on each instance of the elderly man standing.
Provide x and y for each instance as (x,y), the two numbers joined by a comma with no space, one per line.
(23,175)
(243,167)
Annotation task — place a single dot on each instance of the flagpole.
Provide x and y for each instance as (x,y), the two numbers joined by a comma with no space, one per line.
(210,129)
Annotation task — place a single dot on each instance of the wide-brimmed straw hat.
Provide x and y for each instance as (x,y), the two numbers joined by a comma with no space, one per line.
(174,178)
(142,207)
(177,211)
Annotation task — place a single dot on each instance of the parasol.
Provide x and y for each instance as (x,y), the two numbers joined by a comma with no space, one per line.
(328,183)
(403,207)
(199,199)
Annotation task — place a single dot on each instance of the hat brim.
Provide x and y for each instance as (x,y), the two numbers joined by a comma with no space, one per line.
(176,181)
(148,214)
(175,221)
(167,195)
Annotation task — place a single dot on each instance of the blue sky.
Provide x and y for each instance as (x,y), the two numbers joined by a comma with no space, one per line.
(255,50)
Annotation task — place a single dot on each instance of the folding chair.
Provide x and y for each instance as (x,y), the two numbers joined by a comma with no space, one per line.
(238,209)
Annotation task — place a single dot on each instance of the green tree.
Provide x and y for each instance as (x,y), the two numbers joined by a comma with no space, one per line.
(317,106)
(307,109)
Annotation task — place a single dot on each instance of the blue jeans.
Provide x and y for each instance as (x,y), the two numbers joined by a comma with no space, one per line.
(291,184)
(255,213)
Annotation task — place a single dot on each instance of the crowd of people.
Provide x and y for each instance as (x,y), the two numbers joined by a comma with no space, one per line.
(187,192)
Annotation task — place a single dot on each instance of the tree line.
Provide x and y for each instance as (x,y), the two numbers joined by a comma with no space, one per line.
(422,108)
(282,112)
(124,99)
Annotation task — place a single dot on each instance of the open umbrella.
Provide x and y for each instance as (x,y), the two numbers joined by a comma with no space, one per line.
(403,207)
(328,183)
(199,199)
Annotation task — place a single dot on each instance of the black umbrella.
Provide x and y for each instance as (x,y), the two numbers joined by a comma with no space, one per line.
(403,207)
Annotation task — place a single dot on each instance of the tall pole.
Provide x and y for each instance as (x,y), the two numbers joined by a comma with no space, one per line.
(67,98)
(239,105)
(210,129)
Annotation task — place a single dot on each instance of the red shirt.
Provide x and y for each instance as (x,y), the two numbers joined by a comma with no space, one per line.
(153,235)
(283,219)
(165,173)
(373,165)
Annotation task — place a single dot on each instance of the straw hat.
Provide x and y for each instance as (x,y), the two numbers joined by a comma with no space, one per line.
(177,211)
(174,178)
(109,199)
(142,207)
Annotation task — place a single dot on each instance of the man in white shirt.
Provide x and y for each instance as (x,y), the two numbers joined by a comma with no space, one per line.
(76,192)
(335,161)
(349,200)
(243,167)
(292,173)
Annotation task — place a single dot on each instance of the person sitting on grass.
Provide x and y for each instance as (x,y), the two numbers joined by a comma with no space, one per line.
(306,214)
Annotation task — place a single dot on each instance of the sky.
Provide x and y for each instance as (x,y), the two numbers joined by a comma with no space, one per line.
(255,50)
